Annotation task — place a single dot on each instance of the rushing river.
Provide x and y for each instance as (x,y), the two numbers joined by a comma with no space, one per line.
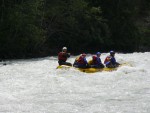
(36,86)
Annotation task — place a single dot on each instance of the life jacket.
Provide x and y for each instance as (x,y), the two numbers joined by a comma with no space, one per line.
(80,60)
(77,58)
(94,58)
(90,62)
(107,59)
(62,56)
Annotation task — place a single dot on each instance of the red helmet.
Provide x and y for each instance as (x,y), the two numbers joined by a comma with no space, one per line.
(83,54)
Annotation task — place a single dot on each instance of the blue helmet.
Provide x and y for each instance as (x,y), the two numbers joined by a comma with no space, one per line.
(98,53)
(112,52)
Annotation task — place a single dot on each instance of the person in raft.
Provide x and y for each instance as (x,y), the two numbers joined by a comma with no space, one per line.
(62,57)
(110,60)
(96,61)
(81,62)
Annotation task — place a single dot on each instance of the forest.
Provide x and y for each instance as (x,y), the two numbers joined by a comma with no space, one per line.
(38,28)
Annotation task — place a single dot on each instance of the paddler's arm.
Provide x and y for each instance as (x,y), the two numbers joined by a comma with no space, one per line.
(66,54)
(118,63)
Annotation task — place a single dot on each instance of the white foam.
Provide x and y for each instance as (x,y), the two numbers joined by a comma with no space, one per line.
(36,86)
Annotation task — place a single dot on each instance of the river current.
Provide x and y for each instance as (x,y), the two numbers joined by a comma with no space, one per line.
(36,86)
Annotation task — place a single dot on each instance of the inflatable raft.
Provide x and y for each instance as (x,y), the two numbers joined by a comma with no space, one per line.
(63,67)
(91,70)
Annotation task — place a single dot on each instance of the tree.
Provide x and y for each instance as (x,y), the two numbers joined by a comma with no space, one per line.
(21,33)
(74,22)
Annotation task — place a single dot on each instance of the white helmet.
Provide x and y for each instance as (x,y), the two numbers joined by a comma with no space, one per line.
(64,48)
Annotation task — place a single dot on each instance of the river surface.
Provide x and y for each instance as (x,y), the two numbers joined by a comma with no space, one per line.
(36,86)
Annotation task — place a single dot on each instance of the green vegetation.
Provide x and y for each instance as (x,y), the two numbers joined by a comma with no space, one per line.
(33,28)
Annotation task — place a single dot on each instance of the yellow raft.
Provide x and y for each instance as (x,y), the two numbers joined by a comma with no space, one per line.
(92,70)
(63,67)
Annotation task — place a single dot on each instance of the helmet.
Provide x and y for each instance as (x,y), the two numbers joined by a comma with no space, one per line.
(98,53)
(64,48)
(83,54)
(112,52)
(94,57)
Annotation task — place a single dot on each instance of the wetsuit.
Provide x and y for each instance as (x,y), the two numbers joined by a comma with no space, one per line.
(96,62)
(110,62)
(62,57)
(81,62)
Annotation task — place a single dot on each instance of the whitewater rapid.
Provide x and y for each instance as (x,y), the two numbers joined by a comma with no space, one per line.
(36,86)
